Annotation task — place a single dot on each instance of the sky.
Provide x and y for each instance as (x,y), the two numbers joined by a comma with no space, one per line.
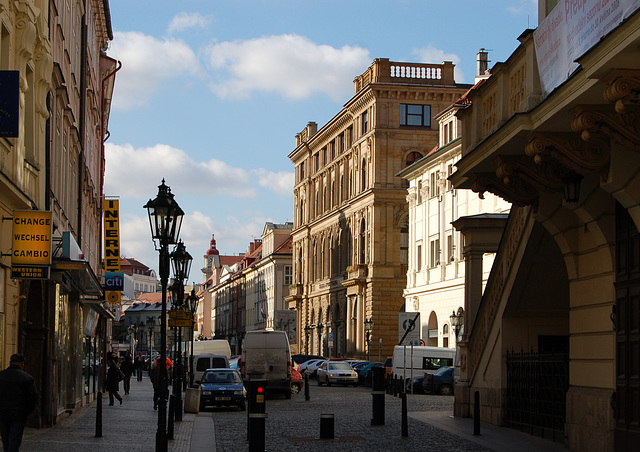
(212,93)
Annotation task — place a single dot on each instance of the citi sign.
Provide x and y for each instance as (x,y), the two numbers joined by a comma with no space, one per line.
(114,281)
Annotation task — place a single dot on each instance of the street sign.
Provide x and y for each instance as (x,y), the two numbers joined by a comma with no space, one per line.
(179,314)
(177,323)
(408,327)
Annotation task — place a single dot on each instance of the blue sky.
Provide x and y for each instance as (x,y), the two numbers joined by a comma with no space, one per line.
(212,93)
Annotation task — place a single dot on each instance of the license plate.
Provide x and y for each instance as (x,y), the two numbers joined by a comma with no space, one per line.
(222,399)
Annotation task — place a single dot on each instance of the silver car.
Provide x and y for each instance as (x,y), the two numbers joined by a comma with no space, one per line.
(339,372)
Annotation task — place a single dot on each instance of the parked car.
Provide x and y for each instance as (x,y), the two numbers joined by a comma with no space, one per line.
(339,372)
(440,382)
(296,381)
(222,387)
(299,359)
(362,371)
(416,387)
(368,377)
(311,368)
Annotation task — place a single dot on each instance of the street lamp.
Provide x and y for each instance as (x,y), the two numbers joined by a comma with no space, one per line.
(307,331)
(368,327)
(151,325)
(320,327)
(192,306)
(181,261)
(165,219)
(457,320)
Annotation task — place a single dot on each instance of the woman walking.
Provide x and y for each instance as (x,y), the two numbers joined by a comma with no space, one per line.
(114,375)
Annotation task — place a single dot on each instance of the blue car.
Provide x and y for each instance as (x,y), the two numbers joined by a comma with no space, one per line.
(222,387)
(440,382)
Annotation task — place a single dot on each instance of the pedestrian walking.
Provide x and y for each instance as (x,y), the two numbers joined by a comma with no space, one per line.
(18,398)
(127,369)
(139,363)
(114,376)
(158,389)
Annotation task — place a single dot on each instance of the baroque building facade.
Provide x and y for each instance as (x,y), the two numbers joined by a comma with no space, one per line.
(56,164)
(350,233)
(436,272)
(554,130)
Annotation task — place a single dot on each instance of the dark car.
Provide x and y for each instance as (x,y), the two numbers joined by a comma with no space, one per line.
(440,382)
(222,387)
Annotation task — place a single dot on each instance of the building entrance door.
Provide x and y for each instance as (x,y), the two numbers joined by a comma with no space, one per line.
(627,321)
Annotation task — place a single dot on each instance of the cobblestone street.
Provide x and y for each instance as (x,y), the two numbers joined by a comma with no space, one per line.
(294,425)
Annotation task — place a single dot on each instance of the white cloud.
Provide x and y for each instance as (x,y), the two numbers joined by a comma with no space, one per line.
(148,62)
(131,172)
(290,65)
(281,182)
(432,55)
(184,21)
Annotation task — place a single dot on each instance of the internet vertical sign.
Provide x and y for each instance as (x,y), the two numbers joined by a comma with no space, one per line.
(111,208)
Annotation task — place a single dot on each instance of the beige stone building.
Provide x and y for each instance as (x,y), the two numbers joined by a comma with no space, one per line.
(55,164)
(553,344)
(350,233)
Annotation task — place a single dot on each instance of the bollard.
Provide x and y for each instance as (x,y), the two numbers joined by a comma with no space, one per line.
(377,393)
(476,413)
(171,419)
(405,423)
(256,414)
(306,387)
(99,415)
(326,426)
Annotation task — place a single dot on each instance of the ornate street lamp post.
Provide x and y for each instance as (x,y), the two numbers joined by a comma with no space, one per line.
(181,261)
(192,305)
(307,331)
(165,219)
(368,327)
(457,320)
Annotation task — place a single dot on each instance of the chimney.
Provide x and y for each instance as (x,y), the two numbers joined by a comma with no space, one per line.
(483,65)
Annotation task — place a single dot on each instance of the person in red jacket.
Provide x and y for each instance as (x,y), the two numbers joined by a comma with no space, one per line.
(18,398)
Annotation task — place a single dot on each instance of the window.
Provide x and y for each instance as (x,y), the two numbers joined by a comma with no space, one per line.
(415,115)
(419,258)
(449,173)
(419,193)
(435,189)
(434,253)
(365,122)
(412,157)
(316,162)
(332,150)
(404,242)
(340,143)
(363,172)
(301,172)
(324,156)
(450,256)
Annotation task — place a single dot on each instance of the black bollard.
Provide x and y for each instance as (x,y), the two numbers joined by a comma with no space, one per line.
(377,393)
(171,417)
(476,413)
(256,414)
(326,426)
(405,423)
(306,387)
(99,415)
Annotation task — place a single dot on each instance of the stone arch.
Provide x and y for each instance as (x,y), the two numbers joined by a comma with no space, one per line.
(432,325)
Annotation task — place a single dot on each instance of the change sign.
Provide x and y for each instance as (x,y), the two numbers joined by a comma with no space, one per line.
(31,238)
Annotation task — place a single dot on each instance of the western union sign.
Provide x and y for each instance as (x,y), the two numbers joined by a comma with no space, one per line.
(111,244)
(31,238)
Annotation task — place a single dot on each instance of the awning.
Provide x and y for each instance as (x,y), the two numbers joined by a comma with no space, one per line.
(78,276)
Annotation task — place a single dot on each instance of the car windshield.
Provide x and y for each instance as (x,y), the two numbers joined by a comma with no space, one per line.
(222,377)
(339,366)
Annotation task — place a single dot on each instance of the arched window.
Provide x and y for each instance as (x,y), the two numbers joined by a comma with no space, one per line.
(362,248)
(412,157)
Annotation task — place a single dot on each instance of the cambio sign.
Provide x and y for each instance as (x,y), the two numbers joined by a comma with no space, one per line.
(31,244)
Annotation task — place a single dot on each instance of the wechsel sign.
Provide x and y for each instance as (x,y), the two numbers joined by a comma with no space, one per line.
(111,247)
(31,248)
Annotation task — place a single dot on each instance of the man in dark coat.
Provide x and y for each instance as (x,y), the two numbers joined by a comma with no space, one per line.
(157,373)
(18,398)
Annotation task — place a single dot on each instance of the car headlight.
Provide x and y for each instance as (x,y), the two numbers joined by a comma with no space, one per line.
(206,392)
(238,392)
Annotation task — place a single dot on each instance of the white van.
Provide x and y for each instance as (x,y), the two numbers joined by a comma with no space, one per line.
(206,361)
(415,361)
(213,346)
(266,355)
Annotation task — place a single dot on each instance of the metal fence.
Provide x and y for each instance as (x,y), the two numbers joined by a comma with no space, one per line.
(537,385)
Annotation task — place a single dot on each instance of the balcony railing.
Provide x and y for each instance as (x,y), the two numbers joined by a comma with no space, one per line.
(384,71)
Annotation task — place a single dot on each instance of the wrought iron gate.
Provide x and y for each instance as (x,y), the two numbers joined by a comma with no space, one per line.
(537,385)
